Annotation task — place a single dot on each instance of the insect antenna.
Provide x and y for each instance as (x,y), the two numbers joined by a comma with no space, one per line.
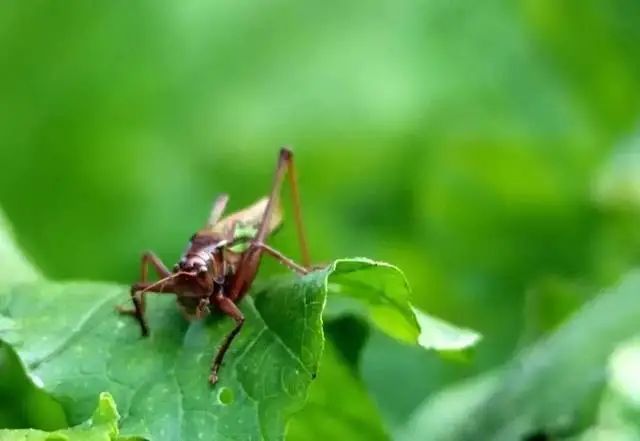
(164,280)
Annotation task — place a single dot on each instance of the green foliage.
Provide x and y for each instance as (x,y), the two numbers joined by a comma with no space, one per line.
(72,339)
(74,343)
(553,387)
(489,149)
(102,426)
(379,292)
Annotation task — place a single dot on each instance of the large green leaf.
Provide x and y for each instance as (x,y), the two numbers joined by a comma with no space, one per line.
(77,346)
(74,346)
(74,343)
(102,426)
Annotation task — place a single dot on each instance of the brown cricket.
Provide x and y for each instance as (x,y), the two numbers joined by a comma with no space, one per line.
(222,260)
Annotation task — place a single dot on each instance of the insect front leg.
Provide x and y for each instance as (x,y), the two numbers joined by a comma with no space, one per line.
(231,309)
(139,289)
(148,258)
(138,293)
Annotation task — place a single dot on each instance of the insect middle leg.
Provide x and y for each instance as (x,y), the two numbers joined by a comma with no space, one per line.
(281,258)
(226,305)
(138,296)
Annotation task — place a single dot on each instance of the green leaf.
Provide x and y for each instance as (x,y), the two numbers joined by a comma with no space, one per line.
(74,343)
(441,413)
(380,292)
(354,418)
(549,302)
(441,336)
(102,426)
(619,410)
(555,386)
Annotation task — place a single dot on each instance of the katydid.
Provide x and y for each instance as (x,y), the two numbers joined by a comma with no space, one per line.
(222,260)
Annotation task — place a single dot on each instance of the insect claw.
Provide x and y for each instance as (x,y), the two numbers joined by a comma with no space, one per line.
(213,379)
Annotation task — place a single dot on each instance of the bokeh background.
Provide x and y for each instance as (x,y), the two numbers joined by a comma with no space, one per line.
(490,149)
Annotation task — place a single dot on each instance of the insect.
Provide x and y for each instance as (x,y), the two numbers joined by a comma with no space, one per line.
(222,260)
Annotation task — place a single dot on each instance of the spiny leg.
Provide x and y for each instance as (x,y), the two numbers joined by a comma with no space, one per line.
(251,259)
(138,310)
(139,302)
(297,210)
(281,258)
(227,306)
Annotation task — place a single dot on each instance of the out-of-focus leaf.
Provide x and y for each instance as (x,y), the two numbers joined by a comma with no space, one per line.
(338,407)
(548,304)
(618,183)
(618,413)
(102,426)
(554,386)
(442,413)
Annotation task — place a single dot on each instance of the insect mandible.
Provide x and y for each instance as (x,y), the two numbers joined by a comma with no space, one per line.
(222,260)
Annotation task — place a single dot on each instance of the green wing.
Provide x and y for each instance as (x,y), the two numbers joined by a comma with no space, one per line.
(247,222)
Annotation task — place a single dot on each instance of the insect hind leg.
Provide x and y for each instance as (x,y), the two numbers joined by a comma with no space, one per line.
(248,266)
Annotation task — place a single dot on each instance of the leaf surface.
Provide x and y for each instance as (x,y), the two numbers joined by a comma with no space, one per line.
(73,342)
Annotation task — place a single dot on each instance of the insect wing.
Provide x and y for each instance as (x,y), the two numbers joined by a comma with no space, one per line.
(248,220)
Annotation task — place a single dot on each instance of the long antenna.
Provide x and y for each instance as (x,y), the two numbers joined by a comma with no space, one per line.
(166,279)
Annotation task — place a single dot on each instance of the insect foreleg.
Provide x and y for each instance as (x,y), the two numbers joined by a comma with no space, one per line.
(228,307)
(137,291)
(148,258)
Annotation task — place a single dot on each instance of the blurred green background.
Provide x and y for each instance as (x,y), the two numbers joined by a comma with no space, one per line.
(490,149)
